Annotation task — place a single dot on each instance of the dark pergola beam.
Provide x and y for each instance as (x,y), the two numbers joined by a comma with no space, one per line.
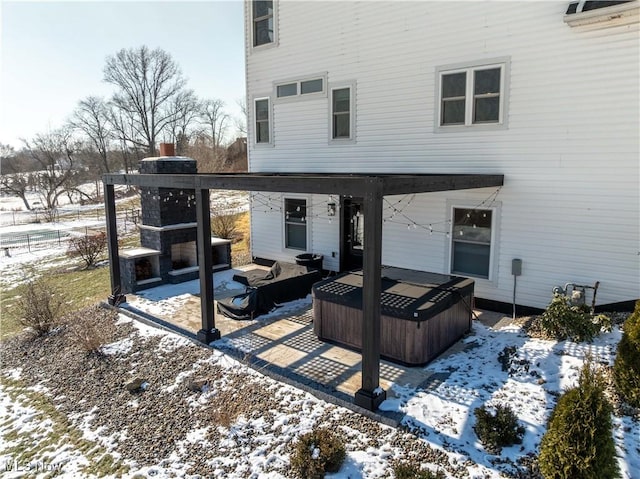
(336,184)
(116,296)
(370,395)
(208,332)
(402,185)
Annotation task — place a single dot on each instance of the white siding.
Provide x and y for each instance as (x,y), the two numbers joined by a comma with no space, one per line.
(570,204)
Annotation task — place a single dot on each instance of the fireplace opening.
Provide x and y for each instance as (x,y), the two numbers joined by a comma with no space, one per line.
(184,255)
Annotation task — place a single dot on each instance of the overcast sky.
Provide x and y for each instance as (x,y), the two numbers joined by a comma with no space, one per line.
(53,53)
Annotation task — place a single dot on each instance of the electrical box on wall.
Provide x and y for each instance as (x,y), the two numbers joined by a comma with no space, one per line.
(516,267)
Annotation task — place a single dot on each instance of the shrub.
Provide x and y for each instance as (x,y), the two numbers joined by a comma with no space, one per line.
(498,430)
(561,320)
(626,368)
(316,453)
(41,307)
(224,225)
(412,470)
(578,443)
(92,328)
(88,247)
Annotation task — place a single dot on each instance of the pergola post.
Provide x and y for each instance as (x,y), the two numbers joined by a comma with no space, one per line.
(370,395)
(208,332)
(116,297)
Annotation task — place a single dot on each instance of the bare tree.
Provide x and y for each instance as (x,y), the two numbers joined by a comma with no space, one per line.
(241,122)
(185,107)
(17,184)
(147,81)
(54,152)
(91,117)
(215,119)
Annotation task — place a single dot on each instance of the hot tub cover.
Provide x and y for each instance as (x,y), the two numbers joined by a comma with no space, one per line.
(407,294)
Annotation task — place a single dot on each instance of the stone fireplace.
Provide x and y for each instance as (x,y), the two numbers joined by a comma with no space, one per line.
(168,230)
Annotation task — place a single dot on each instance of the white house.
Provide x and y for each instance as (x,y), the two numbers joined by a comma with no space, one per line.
(544,93)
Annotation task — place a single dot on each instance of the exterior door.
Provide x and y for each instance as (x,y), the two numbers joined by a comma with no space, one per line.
(352,233)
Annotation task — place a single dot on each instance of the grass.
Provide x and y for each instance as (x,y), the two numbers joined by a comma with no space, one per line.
(86,287)
(59,433)
(81,288)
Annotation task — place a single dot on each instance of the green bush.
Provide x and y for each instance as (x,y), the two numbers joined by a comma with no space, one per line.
(498,430)
(626,369)
(316,453)
(578,443)
(561,320)
(412,470)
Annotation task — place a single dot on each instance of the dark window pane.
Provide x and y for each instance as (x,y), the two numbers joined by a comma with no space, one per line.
(295,210)
(341,101)
(472,225)
(454,85)
(341,126)
(262,132)
(453,112)
(262,8)
(311,86)
(296,237)
(471,259)
(290,89)
(263,31)
(486,110)
(487,81)
(262,109)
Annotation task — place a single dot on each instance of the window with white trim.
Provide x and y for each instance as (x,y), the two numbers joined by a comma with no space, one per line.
(295,223)
(471,246)
(300,87)
(262,121)
(342,113)
(472,95)
(263,28)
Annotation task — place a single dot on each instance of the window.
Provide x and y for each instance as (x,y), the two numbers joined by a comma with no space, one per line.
(290,89)
(295,223)
(471,242)
(300,87)
(341,114)
(472,96)
(263,23)
(262,121)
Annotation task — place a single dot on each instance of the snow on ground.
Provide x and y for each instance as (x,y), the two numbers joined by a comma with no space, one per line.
(442,415)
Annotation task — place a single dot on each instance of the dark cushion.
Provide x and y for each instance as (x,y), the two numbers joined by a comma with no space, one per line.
(273,272)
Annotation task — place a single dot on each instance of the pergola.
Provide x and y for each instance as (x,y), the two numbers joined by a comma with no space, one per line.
(371,187)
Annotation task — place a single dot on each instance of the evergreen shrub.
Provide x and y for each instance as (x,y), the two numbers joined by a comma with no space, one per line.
(578,443)
(562,320)
(626,368)
(498,430)
(316,453)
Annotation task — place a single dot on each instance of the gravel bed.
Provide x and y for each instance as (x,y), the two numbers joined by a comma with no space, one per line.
(199,412)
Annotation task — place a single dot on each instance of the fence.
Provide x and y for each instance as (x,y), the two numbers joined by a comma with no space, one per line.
(34,239)
(43,237)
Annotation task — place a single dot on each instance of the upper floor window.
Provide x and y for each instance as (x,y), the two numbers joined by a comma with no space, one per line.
(262,117)
(473,95)
(263,22)
(342,114)
(300,87)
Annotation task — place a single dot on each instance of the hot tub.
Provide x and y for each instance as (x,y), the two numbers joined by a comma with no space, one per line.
(422,313)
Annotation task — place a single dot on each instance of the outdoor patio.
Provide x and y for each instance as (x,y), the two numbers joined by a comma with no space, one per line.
(282,342)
